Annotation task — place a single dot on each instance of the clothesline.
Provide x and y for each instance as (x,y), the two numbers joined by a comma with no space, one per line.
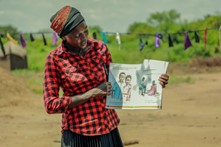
(153,34)
(121,33)
(158,37)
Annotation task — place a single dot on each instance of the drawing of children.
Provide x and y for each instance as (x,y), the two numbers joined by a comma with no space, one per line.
(118,86)
(127,88)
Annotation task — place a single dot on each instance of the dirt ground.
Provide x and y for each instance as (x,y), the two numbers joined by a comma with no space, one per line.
(191,116)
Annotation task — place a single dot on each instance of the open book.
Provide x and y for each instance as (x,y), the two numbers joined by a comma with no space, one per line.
(136,86)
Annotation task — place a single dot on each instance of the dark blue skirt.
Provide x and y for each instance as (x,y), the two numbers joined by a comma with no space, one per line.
(70,139)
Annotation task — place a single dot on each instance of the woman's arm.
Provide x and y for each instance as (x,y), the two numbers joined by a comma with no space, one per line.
(102,90)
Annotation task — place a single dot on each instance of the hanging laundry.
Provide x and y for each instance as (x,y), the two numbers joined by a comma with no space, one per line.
(11,39)
(54,38)
(197,38)
(160,36)
(220,37)
(22,41)
(187,42)
(44,39)
(141,44)
(118,38)
(170,41)
(205,37)
(1,35)
(32,38)
(2,47)
(146,42)
(104,37)
(157,41)
(94,35)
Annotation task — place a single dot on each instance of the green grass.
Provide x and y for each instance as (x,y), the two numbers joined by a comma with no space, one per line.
(128,52)
(181,79)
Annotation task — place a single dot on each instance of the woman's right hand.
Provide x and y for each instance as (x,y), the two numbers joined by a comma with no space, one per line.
(103,89)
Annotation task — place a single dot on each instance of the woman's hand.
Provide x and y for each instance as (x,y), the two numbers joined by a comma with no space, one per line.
(103,89)
(163,79)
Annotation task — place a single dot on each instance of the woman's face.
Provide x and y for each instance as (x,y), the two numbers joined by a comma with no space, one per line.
(77,38)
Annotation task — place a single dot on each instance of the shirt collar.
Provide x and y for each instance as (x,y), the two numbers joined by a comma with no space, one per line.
(62,49)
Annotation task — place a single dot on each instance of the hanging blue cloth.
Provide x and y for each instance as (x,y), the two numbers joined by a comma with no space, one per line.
(141,44)
(104,37)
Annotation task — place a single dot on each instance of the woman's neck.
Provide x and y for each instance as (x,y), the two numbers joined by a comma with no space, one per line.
(78,51)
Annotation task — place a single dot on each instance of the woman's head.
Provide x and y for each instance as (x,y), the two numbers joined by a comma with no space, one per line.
(78,37)
(70,25)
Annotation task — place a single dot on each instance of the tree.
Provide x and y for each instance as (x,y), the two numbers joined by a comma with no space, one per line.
(139,27)
(8,29)
(96,29)
(165,20)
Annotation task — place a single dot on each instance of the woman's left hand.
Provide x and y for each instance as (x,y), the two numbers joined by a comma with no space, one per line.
(163,79)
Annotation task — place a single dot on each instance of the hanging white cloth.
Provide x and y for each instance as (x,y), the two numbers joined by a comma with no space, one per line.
(118,38)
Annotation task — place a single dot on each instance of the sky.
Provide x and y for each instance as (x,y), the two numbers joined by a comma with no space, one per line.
(111,15)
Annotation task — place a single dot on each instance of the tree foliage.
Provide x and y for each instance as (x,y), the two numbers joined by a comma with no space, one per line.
(165,20)
(8,29)
(96,29)
(139,27)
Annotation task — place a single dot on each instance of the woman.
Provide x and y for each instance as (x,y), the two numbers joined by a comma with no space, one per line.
(79,66)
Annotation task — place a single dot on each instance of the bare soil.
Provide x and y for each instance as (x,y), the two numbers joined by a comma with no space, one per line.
(190,117)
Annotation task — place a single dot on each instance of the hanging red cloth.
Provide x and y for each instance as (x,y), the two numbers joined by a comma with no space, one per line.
(205,34)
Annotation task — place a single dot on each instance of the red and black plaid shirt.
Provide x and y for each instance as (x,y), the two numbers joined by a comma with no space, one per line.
(77,74)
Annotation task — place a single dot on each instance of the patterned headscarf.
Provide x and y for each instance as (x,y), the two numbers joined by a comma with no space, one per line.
(65,20)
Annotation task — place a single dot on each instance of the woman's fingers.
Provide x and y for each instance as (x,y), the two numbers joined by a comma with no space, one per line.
(109,88)
(164,80)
